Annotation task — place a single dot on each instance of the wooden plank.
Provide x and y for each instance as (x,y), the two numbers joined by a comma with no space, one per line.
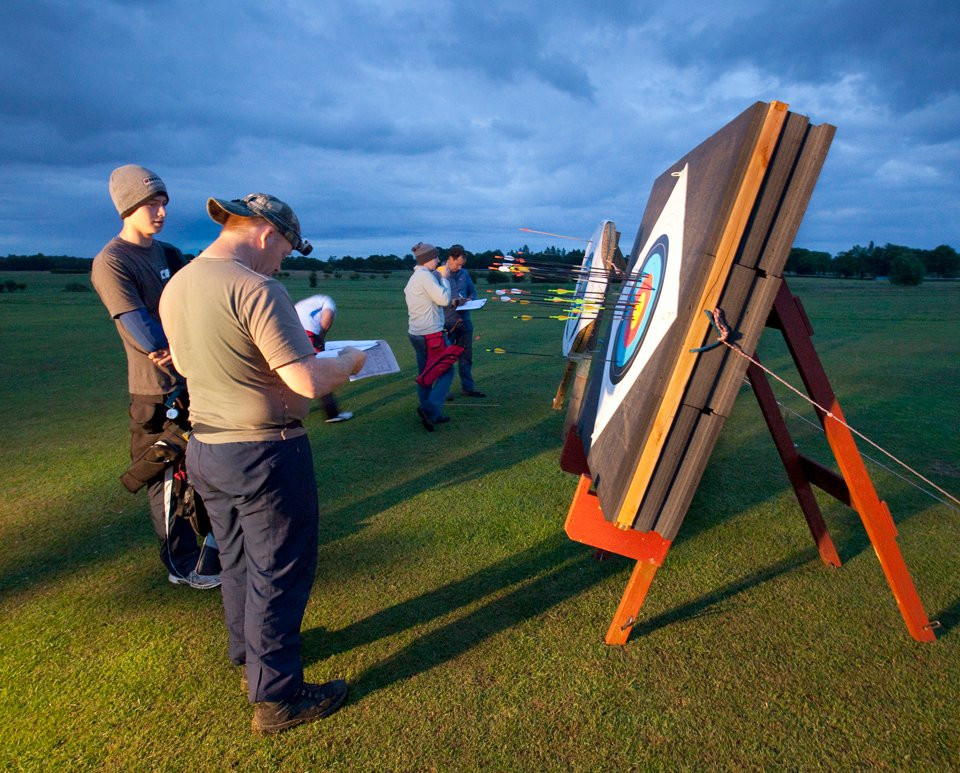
(585,523)
(793,463)
(794,206)
(774,188)
(873,512)
(671,458)
(687,477)
(633,597)
(750,325)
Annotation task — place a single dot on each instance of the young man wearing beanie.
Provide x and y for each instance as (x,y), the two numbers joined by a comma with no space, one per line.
(427,292)
(252,372)
(129,274)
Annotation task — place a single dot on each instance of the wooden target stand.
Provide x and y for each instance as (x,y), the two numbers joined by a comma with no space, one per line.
(585,521)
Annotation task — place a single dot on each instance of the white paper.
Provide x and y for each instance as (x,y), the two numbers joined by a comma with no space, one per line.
(472,305)
(380,359)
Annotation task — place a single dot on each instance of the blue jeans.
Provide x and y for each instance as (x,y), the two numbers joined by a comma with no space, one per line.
(262,501)
(433,396)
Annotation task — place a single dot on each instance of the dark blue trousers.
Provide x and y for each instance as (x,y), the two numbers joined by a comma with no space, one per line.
(262,502)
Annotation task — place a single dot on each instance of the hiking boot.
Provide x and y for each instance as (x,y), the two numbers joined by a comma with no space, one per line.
(196,581)
(474,393)
(311,702)
(342,416)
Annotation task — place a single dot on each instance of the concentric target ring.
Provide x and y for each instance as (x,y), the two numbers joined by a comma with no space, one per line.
(637,303)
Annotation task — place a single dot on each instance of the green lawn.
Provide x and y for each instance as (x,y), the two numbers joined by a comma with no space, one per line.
(469,627)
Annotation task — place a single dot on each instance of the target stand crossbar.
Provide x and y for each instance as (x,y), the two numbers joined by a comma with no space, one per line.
(853,486)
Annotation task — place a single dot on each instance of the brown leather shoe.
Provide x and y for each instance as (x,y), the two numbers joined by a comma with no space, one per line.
(309,703)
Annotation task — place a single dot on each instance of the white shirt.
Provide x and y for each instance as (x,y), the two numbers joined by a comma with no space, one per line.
(310,309)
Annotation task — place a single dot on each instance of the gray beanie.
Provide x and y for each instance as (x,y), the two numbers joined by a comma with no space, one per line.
(423,253)
(131,186)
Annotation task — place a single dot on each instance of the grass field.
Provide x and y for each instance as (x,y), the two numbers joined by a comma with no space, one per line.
(469,627)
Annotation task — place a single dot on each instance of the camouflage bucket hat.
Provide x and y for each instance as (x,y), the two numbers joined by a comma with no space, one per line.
(270,208)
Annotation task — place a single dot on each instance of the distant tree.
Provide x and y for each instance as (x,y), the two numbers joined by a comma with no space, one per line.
(942,261)
(853,262)
(807,262)
(312,279)
(906,269)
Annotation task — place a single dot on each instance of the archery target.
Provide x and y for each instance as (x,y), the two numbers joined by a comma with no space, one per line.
(590,290)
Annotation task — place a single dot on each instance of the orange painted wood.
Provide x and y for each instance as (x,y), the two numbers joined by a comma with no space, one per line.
(585,523)
(633,597)
(873,512)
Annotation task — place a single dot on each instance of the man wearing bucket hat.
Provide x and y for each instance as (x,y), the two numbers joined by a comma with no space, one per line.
(129,274)
(251,370)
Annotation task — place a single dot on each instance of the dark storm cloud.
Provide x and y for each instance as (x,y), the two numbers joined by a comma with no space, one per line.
(384,123)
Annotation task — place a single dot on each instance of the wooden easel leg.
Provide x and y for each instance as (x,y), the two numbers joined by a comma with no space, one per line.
(633,597)
(581,374)
(561,394)
(585,523)
(791,462)
(874,514)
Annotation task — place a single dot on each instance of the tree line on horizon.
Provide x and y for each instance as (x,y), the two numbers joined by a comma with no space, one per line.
(902,265)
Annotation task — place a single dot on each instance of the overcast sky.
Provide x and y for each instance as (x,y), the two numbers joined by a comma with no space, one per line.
(386,122)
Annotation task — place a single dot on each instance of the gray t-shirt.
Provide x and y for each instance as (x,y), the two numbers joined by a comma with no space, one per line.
(127,278)
(230,328)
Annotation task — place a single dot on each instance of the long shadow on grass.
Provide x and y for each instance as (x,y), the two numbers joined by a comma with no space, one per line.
(59,546)
(949,619)
(558,573)
(702,605)
(543,557)
(499,453)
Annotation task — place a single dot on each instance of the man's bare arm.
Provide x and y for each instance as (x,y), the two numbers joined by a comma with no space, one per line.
(318,376)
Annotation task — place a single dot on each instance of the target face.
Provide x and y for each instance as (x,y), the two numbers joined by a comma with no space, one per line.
(646,307)
(640,301)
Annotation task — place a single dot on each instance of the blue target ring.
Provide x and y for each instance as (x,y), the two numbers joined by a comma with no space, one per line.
(638,302)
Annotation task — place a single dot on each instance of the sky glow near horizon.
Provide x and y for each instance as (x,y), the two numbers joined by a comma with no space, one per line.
(387,123)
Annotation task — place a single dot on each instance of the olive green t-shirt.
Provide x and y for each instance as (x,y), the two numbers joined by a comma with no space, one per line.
(230,328)
(127,278)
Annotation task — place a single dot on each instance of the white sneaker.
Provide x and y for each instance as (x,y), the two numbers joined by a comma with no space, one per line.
(342,416)
(196,581)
